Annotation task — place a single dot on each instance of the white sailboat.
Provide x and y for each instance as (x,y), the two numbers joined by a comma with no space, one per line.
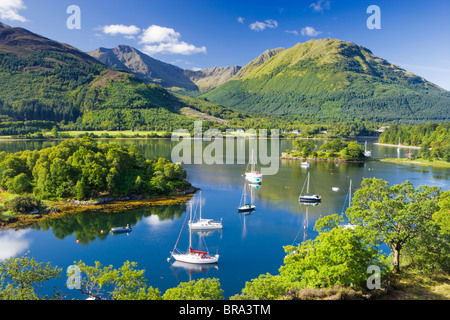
(204,224)
(367,153)
(253,176)
(193,256)
(349,225)
(245,205)
(307,197)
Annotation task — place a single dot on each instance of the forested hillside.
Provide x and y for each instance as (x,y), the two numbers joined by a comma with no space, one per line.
(336,80)
(433,138)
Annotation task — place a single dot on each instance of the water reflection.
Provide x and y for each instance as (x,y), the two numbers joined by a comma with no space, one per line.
(13,243)
(96,225)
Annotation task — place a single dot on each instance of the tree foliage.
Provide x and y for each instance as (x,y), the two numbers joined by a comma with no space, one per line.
(83,168)
(394,215)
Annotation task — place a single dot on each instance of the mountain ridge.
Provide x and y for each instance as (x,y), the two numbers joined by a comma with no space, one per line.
(333,79)
(169,76)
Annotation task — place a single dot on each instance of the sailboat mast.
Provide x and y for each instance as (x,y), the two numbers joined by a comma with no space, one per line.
(253,162)
(190,229)
(307,186)
(350,194)
(200,204)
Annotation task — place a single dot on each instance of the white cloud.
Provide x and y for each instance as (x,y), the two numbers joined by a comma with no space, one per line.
(9,10)
(180,47)
(320,5)
(259,26)
(162,40)
(310,31)
(114,29)
(155,34)
(240,20)
(294,32)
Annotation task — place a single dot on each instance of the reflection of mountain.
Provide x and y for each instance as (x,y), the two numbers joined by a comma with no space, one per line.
(88,226)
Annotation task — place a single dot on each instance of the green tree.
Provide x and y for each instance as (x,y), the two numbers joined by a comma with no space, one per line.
(21,279)
(21,184)
(201,289)
(339,256)
(125,283)
(394,215)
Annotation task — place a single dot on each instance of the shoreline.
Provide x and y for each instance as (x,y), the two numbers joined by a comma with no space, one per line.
(64,208)
(396,145)
(427,163)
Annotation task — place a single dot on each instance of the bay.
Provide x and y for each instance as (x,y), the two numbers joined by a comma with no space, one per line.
(249,245)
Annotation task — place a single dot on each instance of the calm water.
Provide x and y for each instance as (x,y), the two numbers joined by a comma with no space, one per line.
(249,245)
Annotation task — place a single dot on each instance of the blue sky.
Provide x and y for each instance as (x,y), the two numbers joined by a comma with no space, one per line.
(205,33)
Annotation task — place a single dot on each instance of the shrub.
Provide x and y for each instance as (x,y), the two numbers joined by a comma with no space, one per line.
(23,204)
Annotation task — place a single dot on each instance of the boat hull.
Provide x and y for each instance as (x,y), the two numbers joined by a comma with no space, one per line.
(214,226)
(195,258)
(246,208)
(309,199)
(253,177)
(121,230)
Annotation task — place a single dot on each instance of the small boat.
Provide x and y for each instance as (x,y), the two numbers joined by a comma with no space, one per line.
(253,176)
(204,224)
(193,256)
(308,197)
(246,206)
(336,189)
(125,229)
(305,164)
(367,153)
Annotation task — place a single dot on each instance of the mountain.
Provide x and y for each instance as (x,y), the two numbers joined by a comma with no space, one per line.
(155,71)
(42,79)
(145,67)
(335,80)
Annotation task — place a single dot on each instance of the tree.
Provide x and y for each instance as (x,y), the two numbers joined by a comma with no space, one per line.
(22,277)
(125,283)
(21,184)
(201,289)
(339,256)
(394,215)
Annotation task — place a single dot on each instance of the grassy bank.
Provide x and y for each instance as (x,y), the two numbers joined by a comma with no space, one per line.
(420,162)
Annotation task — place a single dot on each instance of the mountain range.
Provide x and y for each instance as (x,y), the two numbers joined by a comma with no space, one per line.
(326,79)
(158,72)
(42,79)
(332,79)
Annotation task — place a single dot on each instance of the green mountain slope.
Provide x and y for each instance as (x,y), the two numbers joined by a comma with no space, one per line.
(332,79)
(42,79)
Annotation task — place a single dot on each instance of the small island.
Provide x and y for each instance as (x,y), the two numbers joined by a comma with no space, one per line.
(81,173)
(335,150)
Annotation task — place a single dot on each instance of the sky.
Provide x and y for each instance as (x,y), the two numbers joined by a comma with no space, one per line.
(198,34)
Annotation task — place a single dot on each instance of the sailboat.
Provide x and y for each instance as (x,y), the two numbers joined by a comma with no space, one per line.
(367,153)
(307,197)
(253,176)
(246,206)
(204,224)
(349,225)
(193,256)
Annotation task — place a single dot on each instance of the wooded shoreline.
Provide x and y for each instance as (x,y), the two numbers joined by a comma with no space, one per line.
(66,207)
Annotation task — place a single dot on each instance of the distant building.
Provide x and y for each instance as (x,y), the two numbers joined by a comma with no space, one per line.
(323,131)
(240,130)
(297,131)
(382,129)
